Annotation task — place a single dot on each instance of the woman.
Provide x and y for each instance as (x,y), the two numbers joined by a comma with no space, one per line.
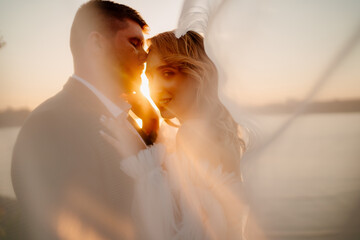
(193,192)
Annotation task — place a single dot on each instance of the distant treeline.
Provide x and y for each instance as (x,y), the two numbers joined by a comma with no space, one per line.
(335,106)
(11,220)
(13,118)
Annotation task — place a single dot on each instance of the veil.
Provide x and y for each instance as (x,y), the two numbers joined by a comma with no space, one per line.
(289,74)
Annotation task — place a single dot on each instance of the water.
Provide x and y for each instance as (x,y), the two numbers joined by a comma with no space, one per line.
(306,185)
(7,141)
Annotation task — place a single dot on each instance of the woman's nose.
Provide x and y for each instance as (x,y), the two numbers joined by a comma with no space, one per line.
(155,87)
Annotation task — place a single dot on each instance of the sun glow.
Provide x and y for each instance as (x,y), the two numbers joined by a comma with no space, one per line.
(139,122)
(145,90)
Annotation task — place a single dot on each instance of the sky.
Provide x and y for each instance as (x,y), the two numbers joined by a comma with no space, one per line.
(36,61)
(275,51)
(270,50)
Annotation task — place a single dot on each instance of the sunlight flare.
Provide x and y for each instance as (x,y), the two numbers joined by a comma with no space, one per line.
(145,89)
(139,122)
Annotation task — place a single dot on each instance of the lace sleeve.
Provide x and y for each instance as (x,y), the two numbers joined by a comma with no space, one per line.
(146,163)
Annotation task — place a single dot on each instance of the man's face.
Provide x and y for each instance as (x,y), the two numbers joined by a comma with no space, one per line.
(127,56)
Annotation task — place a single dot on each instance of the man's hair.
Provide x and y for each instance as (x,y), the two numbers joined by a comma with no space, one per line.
(105,17)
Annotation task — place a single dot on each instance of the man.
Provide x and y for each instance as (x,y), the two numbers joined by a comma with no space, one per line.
(65,175)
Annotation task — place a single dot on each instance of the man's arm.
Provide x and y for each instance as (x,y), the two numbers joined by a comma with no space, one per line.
(42,171)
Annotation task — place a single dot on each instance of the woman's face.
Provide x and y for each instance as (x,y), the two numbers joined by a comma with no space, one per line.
(172,91)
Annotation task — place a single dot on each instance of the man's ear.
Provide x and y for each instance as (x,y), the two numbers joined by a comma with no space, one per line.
(96,41)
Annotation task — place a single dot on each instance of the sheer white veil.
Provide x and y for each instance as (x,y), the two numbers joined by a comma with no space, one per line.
(289,73)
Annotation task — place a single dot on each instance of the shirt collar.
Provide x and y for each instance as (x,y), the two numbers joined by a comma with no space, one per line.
(114,109)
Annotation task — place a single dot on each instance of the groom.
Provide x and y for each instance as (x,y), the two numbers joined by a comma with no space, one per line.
(65,175)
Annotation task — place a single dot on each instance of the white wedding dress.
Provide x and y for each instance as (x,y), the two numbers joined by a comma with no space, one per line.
(179,198)
(276,53)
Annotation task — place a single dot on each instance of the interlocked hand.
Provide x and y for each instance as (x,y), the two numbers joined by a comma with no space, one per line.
(123,136)
(143,109)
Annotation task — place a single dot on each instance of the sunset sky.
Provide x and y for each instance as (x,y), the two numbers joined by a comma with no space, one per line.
(270,51)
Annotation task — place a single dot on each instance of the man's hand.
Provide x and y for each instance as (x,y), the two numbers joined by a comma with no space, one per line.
(125,139)
(143,109)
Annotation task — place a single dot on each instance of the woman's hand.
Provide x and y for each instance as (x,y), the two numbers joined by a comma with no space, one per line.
(123,136)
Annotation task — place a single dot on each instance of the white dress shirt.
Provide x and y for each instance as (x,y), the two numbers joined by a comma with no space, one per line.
(114,109)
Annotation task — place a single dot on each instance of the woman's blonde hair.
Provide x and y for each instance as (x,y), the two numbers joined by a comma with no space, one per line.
(188,55)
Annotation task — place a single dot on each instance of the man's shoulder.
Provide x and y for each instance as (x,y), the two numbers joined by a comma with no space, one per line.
(50,108)
(55,116)
(56,122)
(58,102)
(62,107)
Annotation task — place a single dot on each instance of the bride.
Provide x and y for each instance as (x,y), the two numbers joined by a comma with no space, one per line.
(190,189)
(193,191)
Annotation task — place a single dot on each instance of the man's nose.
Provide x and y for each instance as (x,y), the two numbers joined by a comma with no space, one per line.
(142,55)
